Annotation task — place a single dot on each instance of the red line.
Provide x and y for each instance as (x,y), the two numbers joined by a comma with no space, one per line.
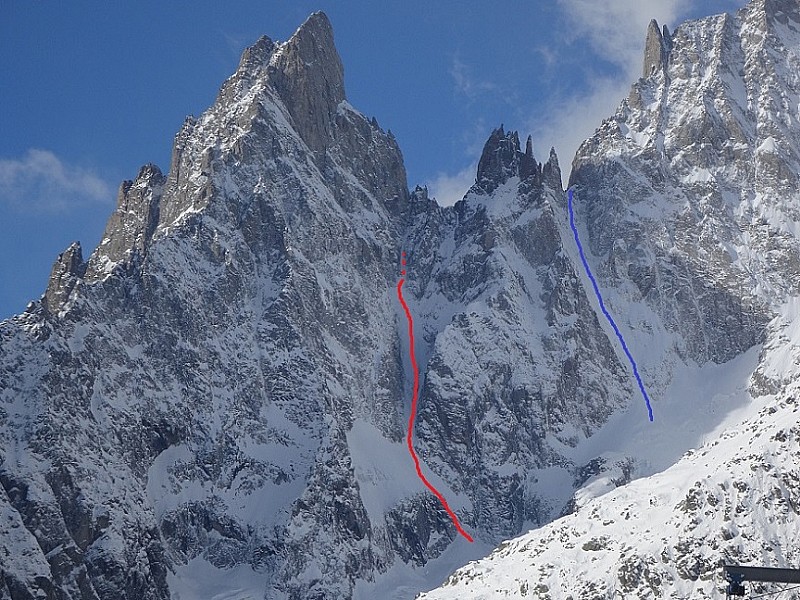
(413,415)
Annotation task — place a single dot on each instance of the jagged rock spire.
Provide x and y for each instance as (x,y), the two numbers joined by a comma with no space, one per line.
(527,164)
(502,159)
(67,270)
(656,49)
(551,171)
(132,224)
(256,55)
(308,75)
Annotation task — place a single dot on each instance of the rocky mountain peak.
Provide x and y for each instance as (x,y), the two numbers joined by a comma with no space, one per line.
(420,202)
(551,171)
(419,194)
(256,55)
(148,173)
(132,224)
(656,49)
(502,159)
(309,78)
(527,164)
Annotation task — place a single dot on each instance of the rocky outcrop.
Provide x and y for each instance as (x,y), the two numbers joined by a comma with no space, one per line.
(695,132)
(656,49)
(309,78)
(131,226)
(67,271)
(502,159)
(487,425)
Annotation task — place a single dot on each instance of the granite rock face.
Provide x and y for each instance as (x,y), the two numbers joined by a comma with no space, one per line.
(697,201)
(183,406)
(309,79)
(132,224)
(502,159)
(656,49)
(522,338)
(68,269)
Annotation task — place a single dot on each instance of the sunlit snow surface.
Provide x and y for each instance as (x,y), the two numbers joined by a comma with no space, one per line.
(736,484)
(735,494)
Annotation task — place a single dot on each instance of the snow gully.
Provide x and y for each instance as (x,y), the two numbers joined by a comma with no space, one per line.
(414,398)
(603,307)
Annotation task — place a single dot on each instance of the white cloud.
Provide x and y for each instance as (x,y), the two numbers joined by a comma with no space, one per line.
(449,189)
(575,119)
(466,82)
(616,28)
(42,182)
(547,55)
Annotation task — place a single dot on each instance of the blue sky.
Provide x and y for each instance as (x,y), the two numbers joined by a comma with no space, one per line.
(91,90)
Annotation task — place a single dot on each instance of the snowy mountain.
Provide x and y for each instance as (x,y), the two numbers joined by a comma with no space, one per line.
(508,323)
(214,404)
(688,200)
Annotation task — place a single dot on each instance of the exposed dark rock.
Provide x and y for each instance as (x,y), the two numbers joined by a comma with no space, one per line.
(309,77)
(132,224)
(502,159)
(656,49)
(67,271)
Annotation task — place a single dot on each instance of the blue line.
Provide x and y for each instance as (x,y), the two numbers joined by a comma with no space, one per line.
(605,311)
